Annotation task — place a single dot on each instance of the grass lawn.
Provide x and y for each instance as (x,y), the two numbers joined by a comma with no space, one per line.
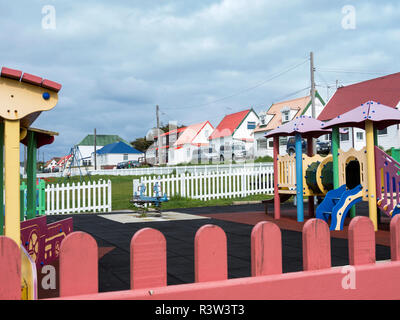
(122,191)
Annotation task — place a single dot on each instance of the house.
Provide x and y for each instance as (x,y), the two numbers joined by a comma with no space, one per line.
(190,138)
(279,113)
(158,152)
(86,146)
(385,90)
(64,162)
(110,155)
(51,164)
(235,128)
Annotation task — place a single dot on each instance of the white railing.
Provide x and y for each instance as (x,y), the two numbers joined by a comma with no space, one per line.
(163,170)
(212,185)
(80,197)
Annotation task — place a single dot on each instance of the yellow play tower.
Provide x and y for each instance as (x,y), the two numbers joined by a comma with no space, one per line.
(23,97)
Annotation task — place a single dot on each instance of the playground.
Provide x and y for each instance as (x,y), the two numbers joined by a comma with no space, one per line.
(113,239)
(345,214)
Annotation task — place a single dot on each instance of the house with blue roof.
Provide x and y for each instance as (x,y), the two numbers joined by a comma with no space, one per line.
(111,154)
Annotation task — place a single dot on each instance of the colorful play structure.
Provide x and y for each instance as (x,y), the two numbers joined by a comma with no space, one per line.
(24,97)
(343,178)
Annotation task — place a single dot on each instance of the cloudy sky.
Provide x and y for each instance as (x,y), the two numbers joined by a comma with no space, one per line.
(198,60)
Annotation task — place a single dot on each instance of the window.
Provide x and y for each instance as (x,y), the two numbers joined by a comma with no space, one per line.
(360,135)
(285,116)
(251,125)
(382,132)
(345,136)
(262,144)
(271,143)
(125,157)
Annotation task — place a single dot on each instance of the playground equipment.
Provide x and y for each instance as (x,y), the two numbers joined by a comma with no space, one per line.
(142,200)
(24,97)
(40,199)
(74,162)
(344,178)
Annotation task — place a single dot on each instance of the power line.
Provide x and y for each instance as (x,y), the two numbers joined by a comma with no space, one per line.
(246,89)
(332,70)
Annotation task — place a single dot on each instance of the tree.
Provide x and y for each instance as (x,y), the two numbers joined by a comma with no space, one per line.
(142,144)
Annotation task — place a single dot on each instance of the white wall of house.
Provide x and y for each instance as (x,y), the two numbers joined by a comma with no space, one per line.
(86,152)
(263,146)
(202,136)
(243,132)
(112,159)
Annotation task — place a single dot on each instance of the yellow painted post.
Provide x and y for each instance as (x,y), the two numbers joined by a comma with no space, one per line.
(12,179)
(369,132)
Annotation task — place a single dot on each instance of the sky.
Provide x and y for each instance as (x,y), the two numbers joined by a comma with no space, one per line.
(197,60)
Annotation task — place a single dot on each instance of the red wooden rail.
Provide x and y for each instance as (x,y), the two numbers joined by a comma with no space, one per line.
(370,280)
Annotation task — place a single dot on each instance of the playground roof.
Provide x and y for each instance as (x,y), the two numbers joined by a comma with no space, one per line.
(101,140)
(117,147)
(228,124)
(306,126)
(43,137)
(382,116)
(385,90)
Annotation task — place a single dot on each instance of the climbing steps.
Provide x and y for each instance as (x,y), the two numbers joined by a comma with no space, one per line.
(337,204)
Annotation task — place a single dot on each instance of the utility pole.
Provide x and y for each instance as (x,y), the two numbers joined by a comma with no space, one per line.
(95,158)
(158,152)
(313,113)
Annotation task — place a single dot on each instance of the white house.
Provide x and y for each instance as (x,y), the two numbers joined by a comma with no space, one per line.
(51,164)
(110,155)
(190,139)
(385,90)
(86,146)
(278,114)
(236,128)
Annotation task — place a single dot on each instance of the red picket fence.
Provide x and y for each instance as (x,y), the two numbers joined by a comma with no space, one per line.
(319,280)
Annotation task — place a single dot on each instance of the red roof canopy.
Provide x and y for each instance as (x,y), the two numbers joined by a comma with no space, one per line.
(228,124)
(385,90)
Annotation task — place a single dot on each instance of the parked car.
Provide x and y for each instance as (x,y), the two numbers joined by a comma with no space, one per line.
(321,146)
(204,155)
(232,152)
(324,146)
(133,164)
(122,165)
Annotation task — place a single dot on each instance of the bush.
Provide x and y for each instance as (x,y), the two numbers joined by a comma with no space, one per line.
(264,159)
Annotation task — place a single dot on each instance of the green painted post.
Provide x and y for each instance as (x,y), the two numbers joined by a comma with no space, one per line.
(41,208)
(335,156)
(31,176)
(1,178)
(22,208)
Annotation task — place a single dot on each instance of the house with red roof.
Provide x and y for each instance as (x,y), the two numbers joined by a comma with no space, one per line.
(235,129)
(385,90)
(189,141)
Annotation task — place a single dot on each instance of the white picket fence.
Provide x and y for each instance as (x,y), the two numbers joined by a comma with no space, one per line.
(163,170)
(212,185)
(77,198)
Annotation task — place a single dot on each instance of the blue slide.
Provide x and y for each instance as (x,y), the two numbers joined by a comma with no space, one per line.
(337,204)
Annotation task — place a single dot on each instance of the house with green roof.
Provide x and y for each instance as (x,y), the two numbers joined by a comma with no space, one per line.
(86,146)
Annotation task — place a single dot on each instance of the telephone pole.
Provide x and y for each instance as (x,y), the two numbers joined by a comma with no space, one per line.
(158,152)
(95,159)
(313,113)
